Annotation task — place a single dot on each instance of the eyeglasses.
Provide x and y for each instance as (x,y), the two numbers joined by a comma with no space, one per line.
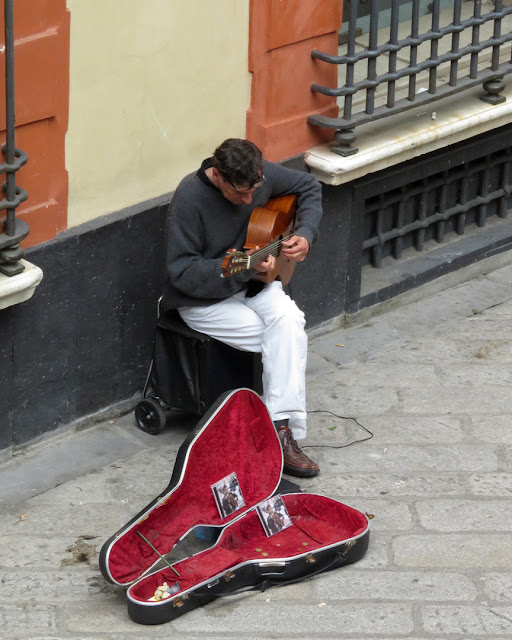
(253,187)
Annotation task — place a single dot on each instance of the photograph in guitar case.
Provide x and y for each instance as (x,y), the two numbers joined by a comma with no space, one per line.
(235,231)
(228,495)
(273,515)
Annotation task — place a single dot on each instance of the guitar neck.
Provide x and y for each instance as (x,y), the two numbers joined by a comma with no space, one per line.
(272,249)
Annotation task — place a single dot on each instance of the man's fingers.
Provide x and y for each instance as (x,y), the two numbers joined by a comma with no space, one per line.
(266,265)
(296,248)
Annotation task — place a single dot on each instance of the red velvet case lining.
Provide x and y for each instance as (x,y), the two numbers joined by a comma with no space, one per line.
(317,522)
(240,437)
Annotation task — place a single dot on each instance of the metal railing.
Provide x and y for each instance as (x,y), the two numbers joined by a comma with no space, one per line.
(374,56)
(14,230)
(437,205)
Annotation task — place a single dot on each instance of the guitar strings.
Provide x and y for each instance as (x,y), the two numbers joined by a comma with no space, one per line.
(262,254)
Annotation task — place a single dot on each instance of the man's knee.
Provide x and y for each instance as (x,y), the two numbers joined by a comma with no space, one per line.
(285,306)
(289,318)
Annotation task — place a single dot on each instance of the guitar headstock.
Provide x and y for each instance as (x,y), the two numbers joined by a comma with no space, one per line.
(234,262)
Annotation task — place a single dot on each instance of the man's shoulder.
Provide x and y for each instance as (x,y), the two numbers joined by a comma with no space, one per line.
(274,170)
(190,181)
(189,189)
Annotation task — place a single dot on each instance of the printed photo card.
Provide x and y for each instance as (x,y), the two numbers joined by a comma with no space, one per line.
(273,515)
(228,495)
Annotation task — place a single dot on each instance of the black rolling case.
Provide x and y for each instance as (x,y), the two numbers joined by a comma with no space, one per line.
(189,371)
(225,473)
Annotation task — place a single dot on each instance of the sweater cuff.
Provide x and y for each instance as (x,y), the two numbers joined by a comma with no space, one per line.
(309,233)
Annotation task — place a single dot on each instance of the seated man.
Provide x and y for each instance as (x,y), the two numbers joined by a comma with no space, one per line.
(209,214)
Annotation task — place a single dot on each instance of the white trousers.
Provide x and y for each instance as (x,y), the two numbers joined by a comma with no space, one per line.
(269,323)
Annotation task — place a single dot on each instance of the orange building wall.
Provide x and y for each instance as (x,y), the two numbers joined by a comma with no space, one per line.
(282,35)
(41,71)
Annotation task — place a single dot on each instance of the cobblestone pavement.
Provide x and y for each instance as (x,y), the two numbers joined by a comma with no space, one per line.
(430,380)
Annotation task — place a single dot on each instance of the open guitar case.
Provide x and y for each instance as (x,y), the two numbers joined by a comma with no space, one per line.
(236,436)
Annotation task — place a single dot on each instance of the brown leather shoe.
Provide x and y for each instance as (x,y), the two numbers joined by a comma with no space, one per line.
(296,463)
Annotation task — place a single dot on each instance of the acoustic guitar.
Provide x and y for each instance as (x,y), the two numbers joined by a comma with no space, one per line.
(268,227)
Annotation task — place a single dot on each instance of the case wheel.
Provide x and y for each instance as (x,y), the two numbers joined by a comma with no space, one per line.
(150,416)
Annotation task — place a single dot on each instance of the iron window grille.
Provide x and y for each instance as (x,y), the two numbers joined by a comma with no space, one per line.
(436,206)
(14,230)
(383,68)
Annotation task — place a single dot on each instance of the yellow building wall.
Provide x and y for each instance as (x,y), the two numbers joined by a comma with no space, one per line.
(154,87)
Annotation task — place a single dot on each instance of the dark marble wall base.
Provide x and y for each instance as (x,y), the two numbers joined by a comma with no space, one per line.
(83,341)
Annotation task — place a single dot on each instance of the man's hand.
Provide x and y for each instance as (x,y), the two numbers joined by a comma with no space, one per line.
(266,265)
(295,248)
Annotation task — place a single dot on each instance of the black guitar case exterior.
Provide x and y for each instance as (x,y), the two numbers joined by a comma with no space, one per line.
(236,436)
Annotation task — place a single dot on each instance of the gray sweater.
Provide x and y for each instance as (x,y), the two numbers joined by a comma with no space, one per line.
(202,225)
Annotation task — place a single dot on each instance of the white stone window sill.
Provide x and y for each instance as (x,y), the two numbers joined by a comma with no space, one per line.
(395,139)
(18,288)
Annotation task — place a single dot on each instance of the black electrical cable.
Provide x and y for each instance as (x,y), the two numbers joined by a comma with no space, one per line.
(342,446)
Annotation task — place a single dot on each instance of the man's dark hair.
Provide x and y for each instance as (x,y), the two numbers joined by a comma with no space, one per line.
(239,161)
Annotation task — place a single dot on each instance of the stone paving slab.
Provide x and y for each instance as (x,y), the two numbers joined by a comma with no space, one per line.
(490,515)
(429,586)
(43,467)
(495,429)
(19,552)
(387,429)
(242,614)
(303,620)
(491,484)
(482,401)
(52,587)
(498,586)
(407,460)
(443,311)
(24,619)
(454,349)
(357,485)
(474,374)
(507,458)
(119,482)
(502,275)
(88,519)
(482,551)
(97,443)
(470,620)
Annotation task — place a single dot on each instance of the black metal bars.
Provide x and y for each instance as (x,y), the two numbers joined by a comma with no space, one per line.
(369,82)
(433,206)
(14,229)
